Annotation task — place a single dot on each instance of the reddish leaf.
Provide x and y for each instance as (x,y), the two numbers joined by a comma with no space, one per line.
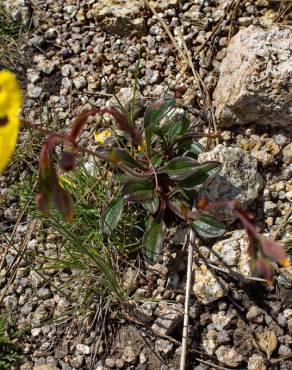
(275,251)
(80,122)
(265,268)
(63,202)
(68,161)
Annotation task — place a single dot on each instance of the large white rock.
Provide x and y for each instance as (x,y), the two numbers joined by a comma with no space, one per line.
(255,78)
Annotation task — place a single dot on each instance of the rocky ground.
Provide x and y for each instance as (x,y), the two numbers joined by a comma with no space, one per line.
(76,54)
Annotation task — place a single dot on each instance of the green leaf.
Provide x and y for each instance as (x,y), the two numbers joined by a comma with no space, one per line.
(112,215)
(155,112)
(121,155)
(174,131)
(203,172)
(156,160)
(152,206)
(185,123)
(153,239)
(138,191)
(180,167)
(189,146)
(207,227)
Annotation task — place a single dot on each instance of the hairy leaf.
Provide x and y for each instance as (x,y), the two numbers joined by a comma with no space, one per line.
(207,227)
(180,167)
(138,191)
(153,239)
(202,173)
(112,215)
(189,146)
(152,205)
(155,112)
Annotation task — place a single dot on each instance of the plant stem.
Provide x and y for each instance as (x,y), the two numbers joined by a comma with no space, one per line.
(187,301)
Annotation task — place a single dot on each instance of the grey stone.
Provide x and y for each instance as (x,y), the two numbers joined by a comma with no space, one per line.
(80,82)
(252,88)
(118,16)
(34,92)
(164,346)
(237,180)
(170,317)
(229,356)
(83,349)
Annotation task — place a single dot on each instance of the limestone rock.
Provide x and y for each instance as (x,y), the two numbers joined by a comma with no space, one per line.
(256,362)
(254,85)
(228,356)
(234,252)
(122,17)
(45,367)
(168,320)
(238,179)
(207,288)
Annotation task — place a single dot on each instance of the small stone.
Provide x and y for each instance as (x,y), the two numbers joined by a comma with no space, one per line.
(287,153)
(270,208)
(110,362)
(244,21)
(229,356)
(142,358)
(281,140)
(77,361)
(221,320)
(83,349)
(35,331)
(44,293)
(168,320)
(164,346)
(283,350)
(80,82)
(223,337)
(206,287)
(255,315)
(33,91)
(51,33)
(209,346)
(120,363)
(256,362)
(281,320)
(287,313)
(129,355)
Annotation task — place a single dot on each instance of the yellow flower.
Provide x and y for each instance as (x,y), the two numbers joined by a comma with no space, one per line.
(101,137)
(142,147)
(10,103)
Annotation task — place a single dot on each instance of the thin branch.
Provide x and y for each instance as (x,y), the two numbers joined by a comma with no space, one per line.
(187,301)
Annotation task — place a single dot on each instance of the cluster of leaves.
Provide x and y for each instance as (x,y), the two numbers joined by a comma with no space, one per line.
(160,171)
(160,168)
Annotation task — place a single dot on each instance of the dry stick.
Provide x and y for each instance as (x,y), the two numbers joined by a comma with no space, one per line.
(187,301)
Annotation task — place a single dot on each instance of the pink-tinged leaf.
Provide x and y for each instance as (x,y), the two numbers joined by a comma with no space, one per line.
(265,268)
(275,251)
(68,161)
(43,204)
(125,125)
(80,121)
(63,202)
